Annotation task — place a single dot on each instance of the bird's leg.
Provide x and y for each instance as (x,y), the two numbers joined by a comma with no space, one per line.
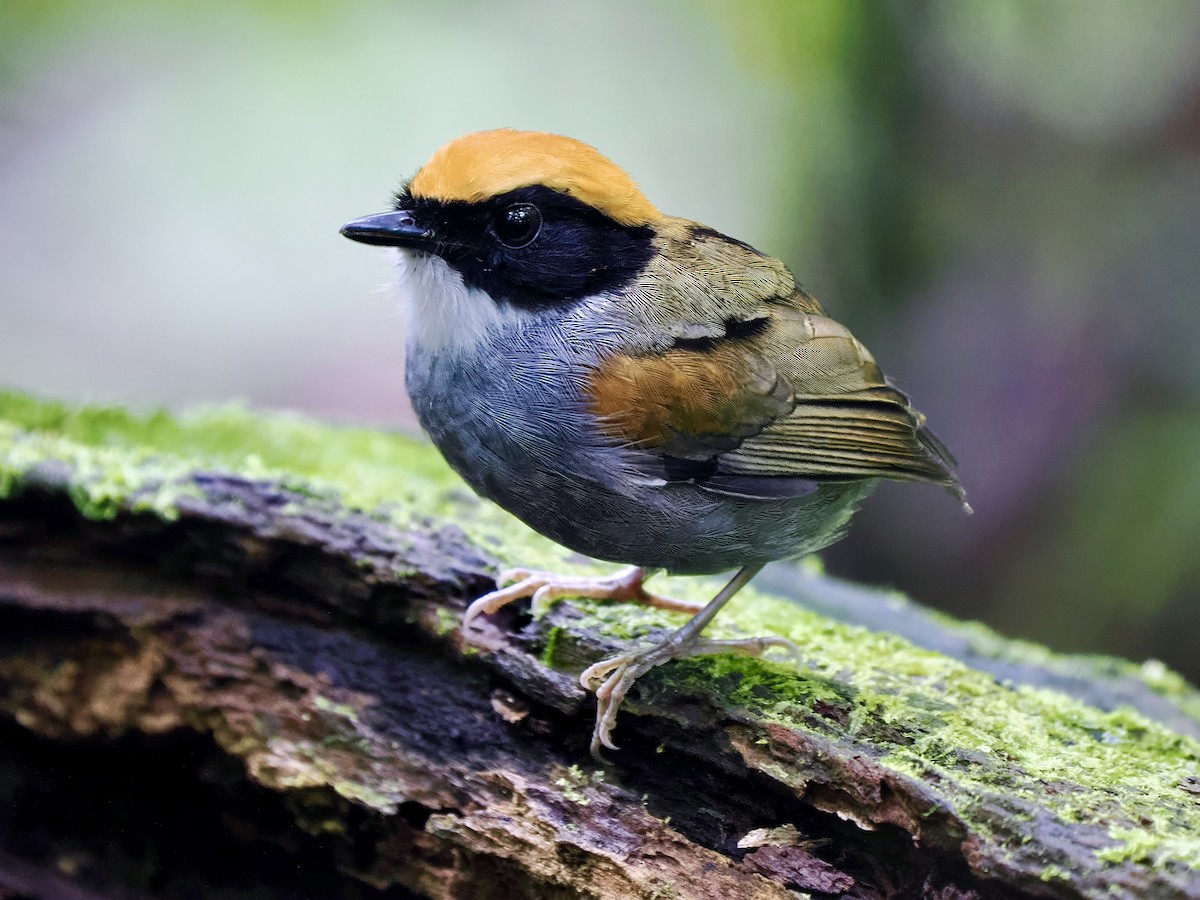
(612,678)
(545,588)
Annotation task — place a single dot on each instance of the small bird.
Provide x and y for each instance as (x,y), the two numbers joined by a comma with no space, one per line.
(638,387)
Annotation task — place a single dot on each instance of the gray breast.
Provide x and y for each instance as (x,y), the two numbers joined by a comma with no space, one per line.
(512,421)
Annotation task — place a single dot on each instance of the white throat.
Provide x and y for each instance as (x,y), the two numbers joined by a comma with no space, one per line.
(443,313)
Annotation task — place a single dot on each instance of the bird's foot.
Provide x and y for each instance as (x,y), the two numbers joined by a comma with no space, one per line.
(546,589)
(612,678)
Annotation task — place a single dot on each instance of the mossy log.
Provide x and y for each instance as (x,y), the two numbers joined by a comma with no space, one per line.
(230,665)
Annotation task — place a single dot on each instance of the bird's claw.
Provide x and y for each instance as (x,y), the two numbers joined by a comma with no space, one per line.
(513,575)
(610,679)
(516,584)
(547,588)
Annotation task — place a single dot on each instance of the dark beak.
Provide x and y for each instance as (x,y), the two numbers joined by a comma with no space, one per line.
(390,229)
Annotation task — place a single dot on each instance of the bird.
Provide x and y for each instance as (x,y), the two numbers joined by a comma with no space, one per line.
(638,387)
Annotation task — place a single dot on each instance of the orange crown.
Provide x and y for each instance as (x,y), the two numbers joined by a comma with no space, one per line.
(486,164)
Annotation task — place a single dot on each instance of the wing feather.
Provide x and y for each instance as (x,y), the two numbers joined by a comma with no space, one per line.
(746,371)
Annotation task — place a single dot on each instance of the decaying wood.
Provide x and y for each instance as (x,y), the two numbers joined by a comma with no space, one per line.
(270,693)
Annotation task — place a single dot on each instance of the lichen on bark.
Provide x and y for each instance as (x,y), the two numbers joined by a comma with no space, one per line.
(290,590)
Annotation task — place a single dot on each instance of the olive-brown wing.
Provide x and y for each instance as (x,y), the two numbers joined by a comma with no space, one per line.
(745,373)
(798,398)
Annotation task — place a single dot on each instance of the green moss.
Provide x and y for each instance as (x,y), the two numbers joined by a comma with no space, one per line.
(934,718)
(447,621)
(1151,846)
(573,784)
(916,712)
(552,638)
(1152,673)
(1055,873)
(332,707)
(115,459)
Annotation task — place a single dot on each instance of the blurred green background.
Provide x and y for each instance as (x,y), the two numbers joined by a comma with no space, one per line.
(1001,198)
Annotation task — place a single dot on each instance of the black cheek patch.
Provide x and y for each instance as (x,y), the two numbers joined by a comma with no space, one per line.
(578,252)
(569,260)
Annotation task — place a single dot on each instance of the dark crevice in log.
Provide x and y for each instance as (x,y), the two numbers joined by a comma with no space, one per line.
(262,705)
(308,614)
(171,816)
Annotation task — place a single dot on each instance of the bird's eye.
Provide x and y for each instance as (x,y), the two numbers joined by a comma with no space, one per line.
(516,226)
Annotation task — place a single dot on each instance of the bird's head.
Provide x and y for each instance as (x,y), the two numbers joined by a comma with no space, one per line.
(530,219)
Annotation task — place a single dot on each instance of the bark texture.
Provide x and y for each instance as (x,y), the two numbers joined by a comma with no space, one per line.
(221,682)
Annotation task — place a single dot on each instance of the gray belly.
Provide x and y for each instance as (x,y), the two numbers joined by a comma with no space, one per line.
(521,438)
